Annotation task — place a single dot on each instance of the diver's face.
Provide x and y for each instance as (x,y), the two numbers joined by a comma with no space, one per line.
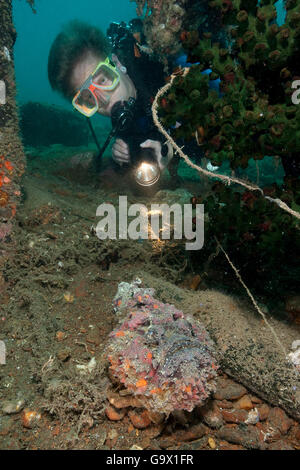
(124,90)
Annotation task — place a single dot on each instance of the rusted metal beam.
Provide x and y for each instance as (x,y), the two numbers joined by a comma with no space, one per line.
(12,158)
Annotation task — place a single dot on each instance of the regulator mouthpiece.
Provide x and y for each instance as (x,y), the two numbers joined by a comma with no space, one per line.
(122,115)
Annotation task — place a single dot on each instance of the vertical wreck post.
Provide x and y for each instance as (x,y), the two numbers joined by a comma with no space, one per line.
(12,158)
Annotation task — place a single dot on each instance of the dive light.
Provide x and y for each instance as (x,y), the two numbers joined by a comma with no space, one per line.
(146,171)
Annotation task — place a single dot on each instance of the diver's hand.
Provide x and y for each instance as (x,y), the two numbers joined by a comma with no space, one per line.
(120,152)
(162,161)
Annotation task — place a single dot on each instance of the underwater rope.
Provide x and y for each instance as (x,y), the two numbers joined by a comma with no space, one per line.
(279,343)
(227,179)
(252,298)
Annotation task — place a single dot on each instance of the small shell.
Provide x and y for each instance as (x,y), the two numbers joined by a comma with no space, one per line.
(253,417)
(87,368)
(294,357)
(30,418)
(13,406)
(296,344)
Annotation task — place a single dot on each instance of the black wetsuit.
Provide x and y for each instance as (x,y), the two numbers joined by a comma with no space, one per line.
(147,76)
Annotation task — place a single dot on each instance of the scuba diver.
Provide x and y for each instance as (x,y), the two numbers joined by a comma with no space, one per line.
(115,77)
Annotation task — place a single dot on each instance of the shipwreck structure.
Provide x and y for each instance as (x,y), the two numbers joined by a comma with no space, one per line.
(12,158)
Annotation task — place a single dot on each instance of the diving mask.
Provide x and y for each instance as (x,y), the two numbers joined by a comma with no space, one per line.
(95,92)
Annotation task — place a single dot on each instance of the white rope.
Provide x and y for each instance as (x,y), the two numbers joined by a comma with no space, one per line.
(226,179)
